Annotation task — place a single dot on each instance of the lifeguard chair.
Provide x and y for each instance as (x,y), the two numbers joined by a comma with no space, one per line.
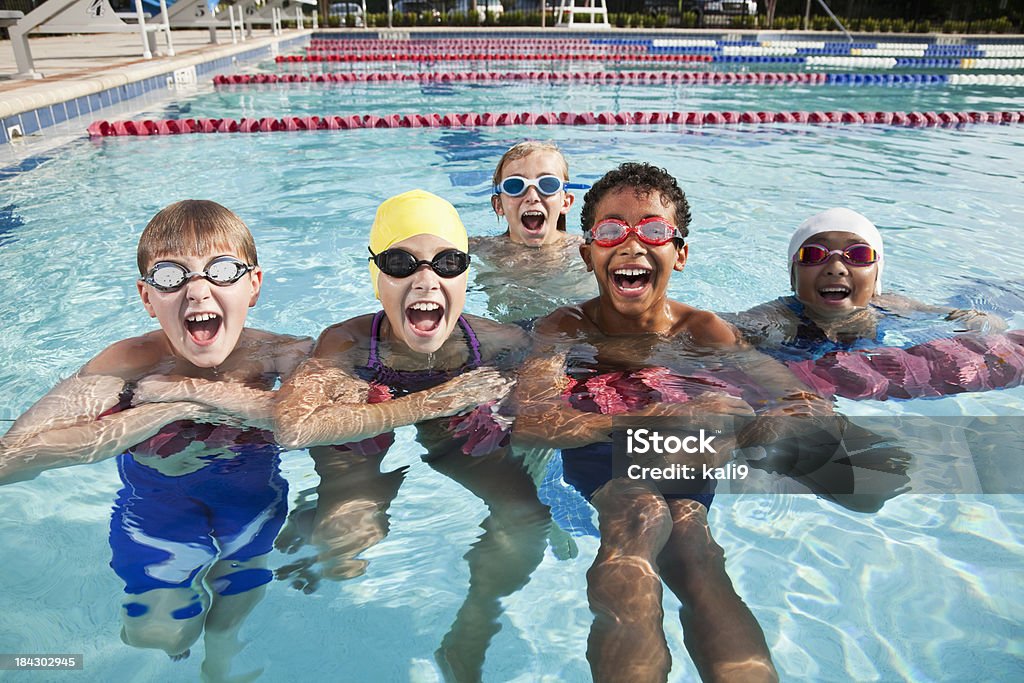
(568,9)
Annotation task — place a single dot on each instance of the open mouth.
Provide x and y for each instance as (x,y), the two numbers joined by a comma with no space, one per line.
(424,317)
(203,327)
(631,280)
(533,221)
(838,293)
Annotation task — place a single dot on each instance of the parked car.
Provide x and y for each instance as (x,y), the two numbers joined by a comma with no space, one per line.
(701,7)
(345,10)
(483,7)
(731,7)
(426,11)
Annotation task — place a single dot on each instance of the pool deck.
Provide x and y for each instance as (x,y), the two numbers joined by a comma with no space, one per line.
(79,65)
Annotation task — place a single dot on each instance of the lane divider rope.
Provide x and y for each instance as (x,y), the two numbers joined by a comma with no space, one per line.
(480,56)
(631,77)
(147,127)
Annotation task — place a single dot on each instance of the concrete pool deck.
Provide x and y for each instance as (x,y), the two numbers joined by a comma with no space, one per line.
(83,66)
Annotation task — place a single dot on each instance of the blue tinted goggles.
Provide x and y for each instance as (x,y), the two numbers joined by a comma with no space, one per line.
(547,185)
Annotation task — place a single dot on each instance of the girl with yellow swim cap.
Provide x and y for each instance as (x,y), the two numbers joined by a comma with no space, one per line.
(418,361)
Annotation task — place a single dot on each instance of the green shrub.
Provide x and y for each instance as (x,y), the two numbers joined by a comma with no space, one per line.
(661,21)
(789,23)
(745,21)
(1002,25)
(688,19)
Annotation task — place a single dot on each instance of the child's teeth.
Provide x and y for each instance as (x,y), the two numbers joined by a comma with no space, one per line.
(202,317)
(630,272)
(425,307)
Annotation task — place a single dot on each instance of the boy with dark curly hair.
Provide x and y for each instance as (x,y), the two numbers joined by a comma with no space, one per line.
(631,352)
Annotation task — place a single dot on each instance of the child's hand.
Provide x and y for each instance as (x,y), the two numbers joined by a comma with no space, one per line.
(977,321)
(709,405)
(468,390)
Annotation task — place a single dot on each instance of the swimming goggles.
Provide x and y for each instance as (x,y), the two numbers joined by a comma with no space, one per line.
(858,255)
(547,185)
(654,231)
(400,263)
(168,276)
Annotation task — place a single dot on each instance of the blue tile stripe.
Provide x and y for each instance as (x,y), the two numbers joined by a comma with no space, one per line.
(45,117)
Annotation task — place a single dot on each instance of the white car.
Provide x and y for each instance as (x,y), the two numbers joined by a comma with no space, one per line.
(482,8)
(344,9)
(731,7)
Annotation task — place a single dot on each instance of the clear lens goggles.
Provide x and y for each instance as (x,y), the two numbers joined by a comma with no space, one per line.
(854,255)
(547,185)
(168,276)
(653,231)
(400,263)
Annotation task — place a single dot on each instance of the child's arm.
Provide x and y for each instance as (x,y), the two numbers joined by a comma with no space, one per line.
(253,406)
(325,403)
(544,418)
(769,320)
(64,428)
(972,320)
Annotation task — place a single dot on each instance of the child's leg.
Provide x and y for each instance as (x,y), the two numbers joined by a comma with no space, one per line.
(168,619)
(227,614)
(500,562)
(161,549)
(722,636)
(350,515)
(627,641)
(245,533)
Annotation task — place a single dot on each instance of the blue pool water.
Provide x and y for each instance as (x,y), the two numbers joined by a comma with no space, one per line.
(927,589)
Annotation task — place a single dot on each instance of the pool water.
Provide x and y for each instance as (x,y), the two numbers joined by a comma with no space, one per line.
(927,589)
(300,99)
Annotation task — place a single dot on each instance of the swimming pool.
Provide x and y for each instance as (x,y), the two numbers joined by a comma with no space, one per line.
(927,589)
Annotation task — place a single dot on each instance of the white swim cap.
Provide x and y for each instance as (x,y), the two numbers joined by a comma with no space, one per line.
(837,220)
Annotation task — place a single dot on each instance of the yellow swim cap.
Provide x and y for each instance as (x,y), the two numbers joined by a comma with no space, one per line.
(412,213)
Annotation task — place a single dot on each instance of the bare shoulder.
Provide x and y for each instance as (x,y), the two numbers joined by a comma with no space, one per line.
(497,339)
(130,358)
(341,338)
(707,329)
(567,321)
(286,351)
(487,248)
(899,303)
(774,309)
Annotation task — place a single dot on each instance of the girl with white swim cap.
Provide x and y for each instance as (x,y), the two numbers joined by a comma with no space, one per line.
(836,261)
